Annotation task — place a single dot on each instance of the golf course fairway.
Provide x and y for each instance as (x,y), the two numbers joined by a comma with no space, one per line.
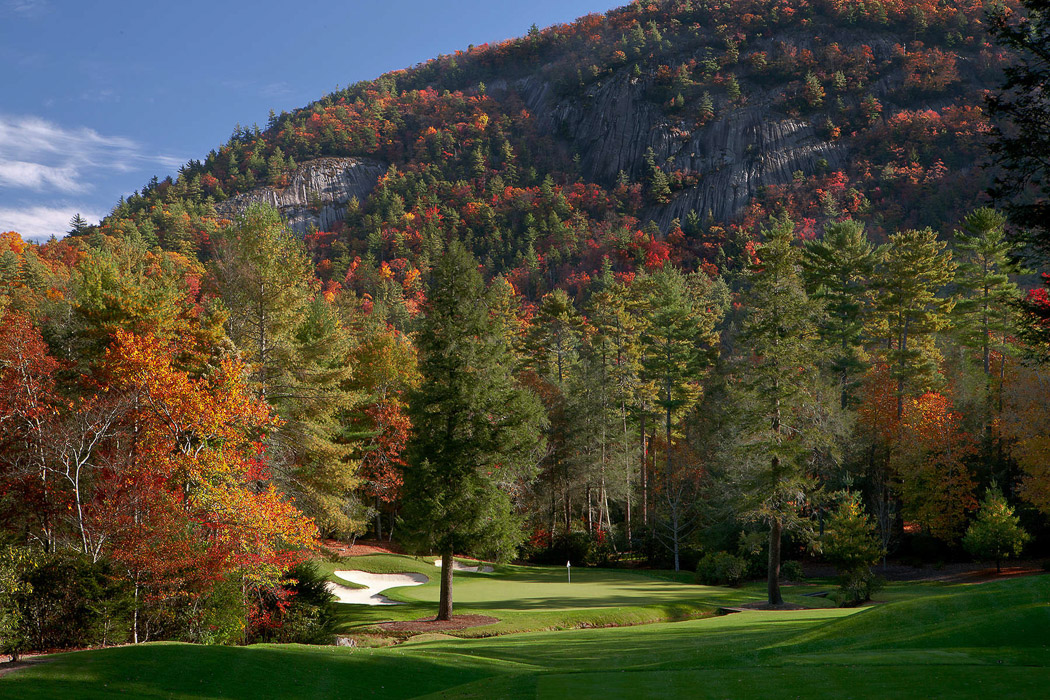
(927,640)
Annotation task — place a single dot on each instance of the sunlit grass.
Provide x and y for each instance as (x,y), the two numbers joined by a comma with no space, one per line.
(934,640)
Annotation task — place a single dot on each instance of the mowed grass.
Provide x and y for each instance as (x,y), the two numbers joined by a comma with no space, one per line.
(532,598)
(936,640)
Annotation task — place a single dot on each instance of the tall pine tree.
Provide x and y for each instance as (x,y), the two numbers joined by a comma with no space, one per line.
(477,434)
(985,316)
(911,308)
(679,343)
(780,392)
(837,270)
(298,349)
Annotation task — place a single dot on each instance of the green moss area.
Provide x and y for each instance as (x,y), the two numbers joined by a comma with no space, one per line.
(927,640)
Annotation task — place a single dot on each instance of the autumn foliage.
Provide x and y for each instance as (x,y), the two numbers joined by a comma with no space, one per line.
(148,467)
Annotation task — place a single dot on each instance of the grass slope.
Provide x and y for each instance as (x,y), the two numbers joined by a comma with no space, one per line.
(934,641)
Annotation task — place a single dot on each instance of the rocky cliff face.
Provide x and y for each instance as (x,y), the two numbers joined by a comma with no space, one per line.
(317,193)
(611,125)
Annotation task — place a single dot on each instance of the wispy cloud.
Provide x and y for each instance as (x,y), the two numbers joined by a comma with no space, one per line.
(28,8)
(18,173)
(273,90)
(39,223)
(277,89)
(36,154)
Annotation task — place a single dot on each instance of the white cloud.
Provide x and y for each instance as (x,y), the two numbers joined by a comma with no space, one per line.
(18,173)
(28,8)
(39,155)
(39,223)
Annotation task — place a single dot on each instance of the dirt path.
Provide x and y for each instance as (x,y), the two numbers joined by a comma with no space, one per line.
(458,622)
(363,547)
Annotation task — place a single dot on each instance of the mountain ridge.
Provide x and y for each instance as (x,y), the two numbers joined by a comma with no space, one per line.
(694,122)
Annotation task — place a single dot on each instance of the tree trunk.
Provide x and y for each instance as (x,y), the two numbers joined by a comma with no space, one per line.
(445,602)
(773,581)
(986,335)
(135,614)
(627,469)
(674,524)
(645,481)
(590,512)
(568,511)
(554,516)
(379,520)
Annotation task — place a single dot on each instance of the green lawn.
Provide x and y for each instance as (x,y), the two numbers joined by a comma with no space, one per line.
(935,640)
(531,598)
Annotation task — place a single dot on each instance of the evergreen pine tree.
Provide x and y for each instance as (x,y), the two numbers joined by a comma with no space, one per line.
(837,270)
(477,433)
(679,344)
(551,353)
(299,352)
(851,543)
(985,316)
(910,277)
(659,188)
(779,391)
(997,532)
(78,225)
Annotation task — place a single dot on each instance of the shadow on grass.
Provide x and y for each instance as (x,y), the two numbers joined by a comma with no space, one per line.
(188,671)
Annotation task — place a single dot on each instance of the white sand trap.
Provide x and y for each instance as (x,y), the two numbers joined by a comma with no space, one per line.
(374,584)
(457,566)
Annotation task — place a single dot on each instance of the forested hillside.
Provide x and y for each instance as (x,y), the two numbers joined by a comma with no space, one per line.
(740,254)
(550,152)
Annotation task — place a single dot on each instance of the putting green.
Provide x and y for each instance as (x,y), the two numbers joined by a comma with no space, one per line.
(524,588)
(527,598)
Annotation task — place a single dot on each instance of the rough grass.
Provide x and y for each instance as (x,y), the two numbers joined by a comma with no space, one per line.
(934,640)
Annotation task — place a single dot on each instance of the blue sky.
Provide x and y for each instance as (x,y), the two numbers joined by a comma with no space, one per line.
(97,97)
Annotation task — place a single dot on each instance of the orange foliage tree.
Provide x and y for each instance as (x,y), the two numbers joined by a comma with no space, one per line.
(937,486)
(186,503)
(1026,424)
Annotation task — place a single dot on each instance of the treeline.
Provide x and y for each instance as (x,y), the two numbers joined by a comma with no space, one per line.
(174,437)
(187,429)
(692,419)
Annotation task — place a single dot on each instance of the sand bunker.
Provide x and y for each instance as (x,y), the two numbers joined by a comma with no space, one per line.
(374,584)
(457,566)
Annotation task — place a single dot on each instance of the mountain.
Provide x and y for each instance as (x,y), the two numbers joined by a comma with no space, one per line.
(658,130)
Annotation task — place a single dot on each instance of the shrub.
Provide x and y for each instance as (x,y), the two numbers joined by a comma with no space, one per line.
(300,612)
(69,601)
(720,569)
(850,543)
(791,570)
(12,637)
(856,587)
(996,533)
(224,617)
